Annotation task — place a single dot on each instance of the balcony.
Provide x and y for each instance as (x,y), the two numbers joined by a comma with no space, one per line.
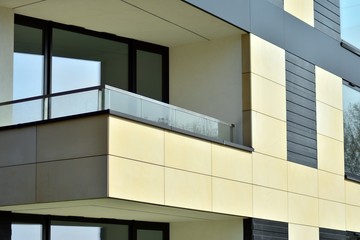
(118,102)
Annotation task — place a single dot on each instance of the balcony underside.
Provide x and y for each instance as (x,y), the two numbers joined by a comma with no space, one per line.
(118,209)
(162,22)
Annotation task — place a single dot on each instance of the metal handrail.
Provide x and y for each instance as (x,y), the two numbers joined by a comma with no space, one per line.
(51,95)
(102,95)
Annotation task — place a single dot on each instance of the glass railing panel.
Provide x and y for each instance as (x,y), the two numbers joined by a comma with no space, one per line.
(189,122)
(156,112)
(74,104)
(22,112)
(121,102)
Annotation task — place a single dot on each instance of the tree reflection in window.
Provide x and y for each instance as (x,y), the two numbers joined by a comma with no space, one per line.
(352,130)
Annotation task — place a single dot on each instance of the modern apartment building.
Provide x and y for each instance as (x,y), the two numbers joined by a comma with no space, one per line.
(179,119)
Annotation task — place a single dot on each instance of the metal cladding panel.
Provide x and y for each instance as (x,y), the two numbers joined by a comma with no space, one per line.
(329,234)
(327,17)
(234,11)
(259,229)
(301,111)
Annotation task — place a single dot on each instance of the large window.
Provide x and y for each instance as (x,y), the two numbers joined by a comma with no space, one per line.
(350,22)
(38,227)
(53,58)
(351,107)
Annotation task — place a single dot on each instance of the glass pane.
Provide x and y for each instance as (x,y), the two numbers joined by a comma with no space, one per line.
(81,61)
(28,62)
(149,234)
(24,112)
(88,231)
(26,232)
(73,104)
(149,74)
(351,105)
(155,112)
(69,74)
(350,22)
(123,102)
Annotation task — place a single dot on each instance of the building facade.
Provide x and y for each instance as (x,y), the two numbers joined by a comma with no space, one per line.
(179,119)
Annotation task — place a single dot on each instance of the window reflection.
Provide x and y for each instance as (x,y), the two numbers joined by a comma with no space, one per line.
(89,231)
(80,60)
(26,232)
(69,74)
(143,234)
(351,105)
(28,62)
(149,74)
(350,21)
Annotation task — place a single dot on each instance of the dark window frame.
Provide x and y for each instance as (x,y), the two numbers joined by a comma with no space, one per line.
(348,175)
(133,45)
(46,222)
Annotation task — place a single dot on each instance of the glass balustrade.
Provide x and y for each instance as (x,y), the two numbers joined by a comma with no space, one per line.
(118,101)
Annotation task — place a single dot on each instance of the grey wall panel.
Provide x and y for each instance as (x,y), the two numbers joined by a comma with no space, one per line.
(307,86)
(304,131)
(329,234)
(267,21)
(236,12)
(301,111)
(327,17)
(265,229)
(279,3)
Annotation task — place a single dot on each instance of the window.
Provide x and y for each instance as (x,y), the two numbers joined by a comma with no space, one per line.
(351,108)
(22,231)
(350,22)
(53,58)
(39,227)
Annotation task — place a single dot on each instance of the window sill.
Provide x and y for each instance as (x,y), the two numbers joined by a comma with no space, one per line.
(352,177)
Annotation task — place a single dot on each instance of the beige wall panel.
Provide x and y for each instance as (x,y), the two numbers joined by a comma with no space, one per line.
(302,179)
(135,180)
(17,184)
(202,73)
(330,154)
(269,171)
(186,189)
(328,88)
(232,197)
(267,60)
(303,210)
(331,186)
(331,215)
(231,163)
(329,121)
(7,52)
(187,153)
(72,179)
(270,204)
(302,9)
(17,146)
(268,97)
(269,135)
(136,141)
(82,137)
(352,218)
(301,232)
(352,193)
(209,230)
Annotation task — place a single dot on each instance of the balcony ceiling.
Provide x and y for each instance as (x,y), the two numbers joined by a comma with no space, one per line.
(118,209)
(165,22)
